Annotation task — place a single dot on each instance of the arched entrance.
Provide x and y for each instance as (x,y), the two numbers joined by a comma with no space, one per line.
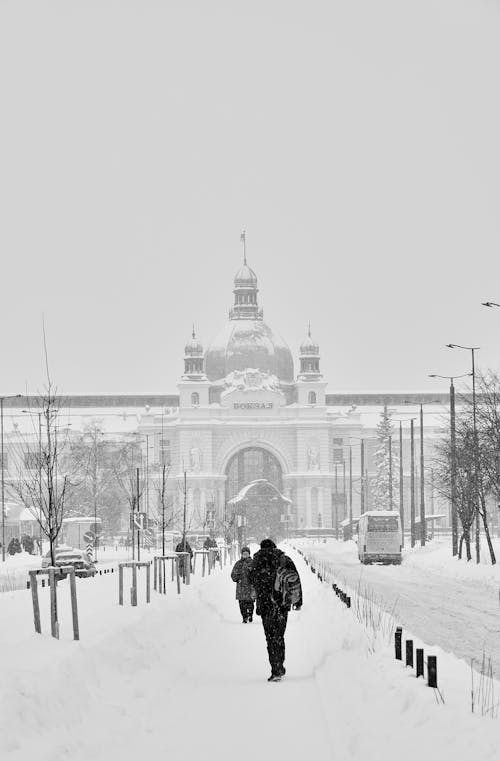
(261,506)
(258,511)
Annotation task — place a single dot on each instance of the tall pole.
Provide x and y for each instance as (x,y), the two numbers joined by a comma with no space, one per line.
(454,515)
(138,509)
(336,503)
(423,528)
(390,472)
(3,482)
(184,512)
(362,476)
(412,485)
(350,490)
(40,516)
(344,501)
(476,464)
(147,480)
(94,488)
(401,500)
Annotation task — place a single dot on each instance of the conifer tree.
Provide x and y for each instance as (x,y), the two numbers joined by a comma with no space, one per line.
(386,460)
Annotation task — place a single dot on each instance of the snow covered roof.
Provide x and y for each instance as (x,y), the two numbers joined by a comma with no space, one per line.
(242,494)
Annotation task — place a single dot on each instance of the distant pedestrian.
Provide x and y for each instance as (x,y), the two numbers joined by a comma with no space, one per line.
(277,585)
(245,593)
(211,544)
(184,546)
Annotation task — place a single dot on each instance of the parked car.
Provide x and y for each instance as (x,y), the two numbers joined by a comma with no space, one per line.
(65,555)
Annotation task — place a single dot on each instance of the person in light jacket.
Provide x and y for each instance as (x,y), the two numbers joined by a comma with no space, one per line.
(245,593)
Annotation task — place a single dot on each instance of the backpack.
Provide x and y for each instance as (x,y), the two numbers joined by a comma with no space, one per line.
(287,585)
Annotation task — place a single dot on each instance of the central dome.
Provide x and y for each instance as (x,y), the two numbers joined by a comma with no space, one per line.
(246,344)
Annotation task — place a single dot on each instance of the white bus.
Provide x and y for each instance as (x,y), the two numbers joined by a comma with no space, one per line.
(379,537)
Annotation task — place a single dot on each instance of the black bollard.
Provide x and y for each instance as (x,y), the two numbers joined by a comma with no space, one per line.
(397,643)
(420,661)
(27,585)
(409,652)
(432,671)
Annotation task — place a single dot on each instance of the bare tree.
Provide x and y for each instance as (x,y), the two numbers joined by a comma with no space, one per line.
(42,483)
(96,491)
(475,478)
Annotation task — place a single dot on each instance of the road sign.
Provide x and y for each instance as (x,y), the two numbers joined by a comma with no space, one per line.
(89,537)
(138,520)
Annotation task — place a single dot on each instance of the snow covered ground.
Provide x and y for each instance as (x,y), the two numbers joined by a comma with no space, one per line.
(443,601)
(183,677)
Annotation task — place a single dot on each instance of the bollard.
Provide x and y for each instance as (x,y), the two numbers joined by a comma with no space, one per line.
(397,642)
(432,671)
(409,652)
(420,661)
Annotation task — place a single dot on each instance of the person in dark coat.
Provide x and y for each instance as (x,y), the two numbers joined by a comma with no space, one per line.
(211,544)
(245,593)
(184,546)
(270,606)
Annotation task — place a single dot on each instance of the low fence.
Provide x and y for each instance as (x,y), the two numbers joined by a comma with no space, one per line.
(417,659)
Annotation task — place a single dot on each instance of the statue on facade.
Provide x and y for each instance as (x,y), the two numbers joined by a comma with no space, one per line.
(195,459)
(312,459)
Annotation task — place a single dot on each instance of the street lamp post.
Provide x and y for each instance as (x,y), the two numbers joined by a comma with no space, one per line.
(453,446)
(472,349)
(423,527)
(362,476)
(401,501)
(350,491)
(2,399)
(412,483)
(389,447)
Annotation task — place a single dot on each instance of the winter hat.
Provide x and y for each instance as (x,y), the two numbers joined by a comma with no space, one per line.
(267,544)
(245,549)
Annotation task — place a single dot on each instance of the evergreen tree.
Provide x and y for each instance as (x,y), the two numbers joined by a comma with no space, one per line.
(386,459)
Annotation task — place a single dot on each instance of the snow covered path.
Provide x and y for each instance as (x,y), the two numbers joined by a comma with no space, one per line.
(460,614)
(184,678)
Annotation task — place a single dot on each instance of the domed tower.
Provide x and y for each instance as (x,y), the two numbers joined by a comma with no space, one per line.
(193,358)
(193,387)
(310,386)
(309,358)
(246,341)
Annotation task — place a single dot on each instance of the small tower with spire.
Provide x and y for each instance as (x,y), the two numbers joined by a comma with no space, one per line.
(194,385)
(245,291)
(310,384)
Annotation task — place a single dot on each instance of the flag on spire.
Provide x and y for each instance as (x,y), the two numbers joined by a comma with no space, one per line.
(243,239)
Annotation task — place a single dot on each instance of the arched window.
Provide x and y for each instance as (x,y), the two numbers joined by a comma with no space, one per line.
(312,397)
(195,399)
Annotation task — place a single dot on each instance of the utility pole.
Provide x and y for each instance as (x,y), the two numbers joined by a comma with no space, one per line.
(362,476)
(163,511)
(423,528)
(454,516)
(184,511)
(390,472)
(401,500)
(336,503)
(138,510)
(412,485)
(350,491)
(344,502)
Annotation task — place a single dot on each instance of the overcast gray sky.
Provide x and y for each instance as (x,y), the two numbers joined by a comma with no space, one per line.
(358,143)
